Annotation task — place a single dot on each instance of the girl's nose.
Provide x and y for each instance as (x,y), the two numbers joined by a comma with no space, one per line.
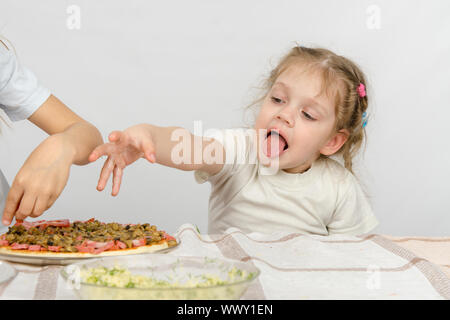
(287,116)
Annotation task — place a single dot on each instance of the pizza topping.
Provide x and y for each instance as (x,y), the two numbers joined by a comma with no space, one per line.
(171,241)
(27,225)
(89,236)
(85,249)
(104,247)
(34,247)
(42,224)
(121,245)
(18,246)
(138,242)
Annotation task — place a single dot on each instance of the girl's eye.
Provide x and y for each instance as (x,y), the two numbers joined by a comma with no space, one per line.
(308,116)
(276,100)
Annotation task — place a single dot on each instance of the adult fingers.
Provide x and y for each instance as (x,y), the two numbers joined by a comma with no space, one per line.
(12,203)
(117,180)
(108,167)
(26,206)
(42,204)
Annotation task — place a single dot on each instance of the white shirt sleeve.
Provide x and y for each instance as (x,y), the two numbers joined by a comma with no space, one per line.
(353,214)
(20,92)
(236,145)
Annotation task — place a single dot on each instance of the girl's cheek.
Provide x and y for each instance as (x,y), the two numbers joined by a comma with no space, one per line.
(261,120)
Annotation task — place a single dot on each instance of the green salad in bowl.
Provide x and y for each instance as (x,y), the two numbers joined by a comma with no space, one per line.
(160,276)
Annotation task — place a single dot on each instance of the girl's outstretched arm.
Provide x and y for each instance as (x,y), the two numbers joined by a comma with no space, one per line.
(161,145)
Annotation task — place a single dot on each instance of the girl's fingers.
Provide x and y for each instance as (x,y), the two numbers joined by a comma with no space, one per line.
(150,156)
(12,203)
(108,167)
(93,156)
(149,150)
(115,136)
(117,180)
(98,152)
(120,162)
(106,149)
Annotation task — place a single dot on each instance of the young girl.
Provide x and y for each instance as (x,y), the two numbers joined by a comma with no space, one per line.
(313,108)
(44,174)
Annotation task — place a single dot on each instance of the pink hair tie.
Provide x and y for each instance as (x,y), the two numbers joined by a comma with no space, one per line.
(361,90)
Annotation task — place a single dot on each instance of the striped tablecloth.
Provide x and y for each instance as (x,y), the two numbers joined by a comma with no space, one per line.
(295,266)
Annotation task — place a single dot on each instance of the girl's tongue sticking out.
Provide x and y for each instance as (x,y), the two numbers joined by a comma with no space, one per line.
(274,144)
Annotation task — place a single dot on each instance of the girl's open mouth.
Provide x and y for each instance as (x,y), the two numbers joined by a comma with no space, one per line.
(274,144)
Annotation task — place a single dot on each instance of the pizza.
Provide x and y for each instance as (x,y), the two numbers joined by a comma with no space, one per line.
(91,238)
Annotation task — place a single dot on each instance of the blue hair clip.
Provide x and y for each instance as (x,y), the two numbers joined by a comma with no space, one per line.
(364,118)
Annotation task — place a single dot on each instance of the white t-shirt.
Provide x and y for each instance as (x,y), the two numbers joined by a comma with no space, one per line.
(20,96)
(326,199)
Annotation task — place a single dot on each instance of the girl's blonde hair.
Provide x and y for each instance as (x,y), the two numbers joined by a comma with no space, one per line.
(340,80)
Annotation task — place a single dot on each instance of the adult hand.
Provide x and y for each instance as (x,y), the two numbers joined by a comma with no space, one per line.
(40,181)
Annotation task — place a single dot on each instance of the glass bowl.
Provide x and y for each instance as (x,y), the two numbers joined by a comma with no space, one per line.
(160,276)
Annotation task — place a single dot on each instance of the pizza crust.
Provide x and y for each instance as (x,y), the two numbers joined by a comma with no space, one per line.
(49,254)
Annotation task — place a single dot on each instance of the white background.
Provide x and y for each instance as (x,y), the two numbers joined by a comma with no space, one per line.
(171,63)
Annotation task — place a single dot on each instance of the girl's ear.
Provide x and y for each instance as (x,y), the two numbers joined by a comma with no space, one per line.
(335,142)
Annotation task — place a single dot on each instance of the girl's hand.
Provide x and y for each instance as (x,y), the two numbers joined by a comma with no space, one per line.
(125,147)
(40,181)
